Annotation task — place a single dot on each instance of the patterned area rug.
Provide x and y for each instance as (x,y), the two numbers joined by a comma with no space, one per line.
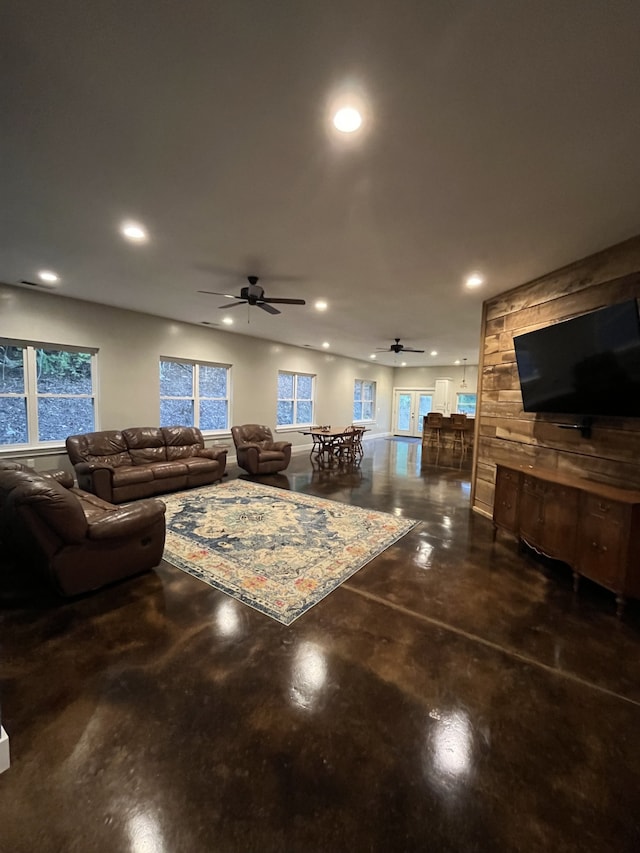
(277,551)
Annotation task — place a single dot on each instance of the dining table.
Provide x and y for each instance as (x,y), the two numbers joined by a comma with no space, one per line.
(335,445)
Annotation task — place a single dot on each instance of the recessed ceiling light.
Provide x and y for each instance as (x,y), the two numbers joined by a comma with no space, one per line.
(48,276)
(347,120)
(320,305)
(403,364)
(434,352)
(228,321)
(457,361)
(134,232)
(326,344)
(474,280)
(373,355)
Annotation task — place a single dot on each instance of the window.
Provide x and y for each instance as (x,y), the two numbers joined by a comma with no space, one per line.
(295,399)
(194,394)
(466,404)
(46,393)
(364,400)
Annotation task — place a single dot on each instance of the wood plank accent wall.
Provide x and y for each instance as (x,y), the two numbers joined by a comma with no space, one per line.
(507,434)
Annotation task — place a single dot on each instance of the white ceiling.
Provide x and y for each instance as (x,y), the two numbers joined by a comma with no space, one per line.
(499,136)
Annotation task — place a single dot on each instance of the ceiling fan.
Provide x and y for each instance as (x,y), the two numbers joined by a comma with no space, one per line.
(397,347)
(253,294)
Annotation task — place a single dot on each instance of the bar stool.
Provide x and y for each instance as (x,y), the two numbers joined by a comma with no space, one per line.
(432,427)
(458,424)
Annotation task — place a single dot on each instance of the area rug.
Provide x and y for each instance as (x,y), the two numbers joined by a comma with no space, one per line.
(280,552)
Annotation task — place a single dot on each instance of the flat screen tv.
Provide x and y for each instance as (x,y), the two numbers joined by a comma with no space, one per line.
(586,366)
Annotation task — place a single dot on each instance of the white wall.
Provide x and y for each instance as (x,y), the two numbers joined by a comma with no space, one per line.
(130,345)
(425,377)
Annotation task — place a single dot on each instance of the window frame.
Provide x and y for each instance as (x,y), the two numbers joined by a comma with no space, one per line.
(196,397)
(32,396)
(467,394)
(362,400)
(296,399)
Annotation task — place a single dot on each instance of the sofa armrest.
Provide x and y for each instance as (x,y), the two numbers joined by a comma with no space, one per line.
(214,452)
(90,467)
(96,478)
(279,445)
(128,520)
(247,445)
(63,477)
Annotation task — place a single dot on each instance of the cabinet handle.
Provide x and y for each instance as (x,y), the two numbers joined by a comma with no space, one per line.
(603,507)
(594,545)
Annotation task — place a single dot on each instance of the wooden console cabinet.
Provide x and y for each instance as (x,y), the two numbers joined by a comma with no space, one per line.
(593,527)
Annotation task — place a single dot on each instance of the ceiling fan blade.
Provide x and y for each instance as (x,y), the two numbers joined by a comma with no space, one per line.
(218,293)
(285,301)
(268,308)
(230,305)
(411,349)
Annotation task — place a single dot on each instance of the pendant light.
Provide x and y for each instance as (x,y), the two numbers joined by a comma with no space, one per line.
(463,384)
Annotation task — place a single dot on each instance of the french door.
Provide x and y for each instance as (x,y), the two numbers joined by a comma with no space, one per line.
(409,407)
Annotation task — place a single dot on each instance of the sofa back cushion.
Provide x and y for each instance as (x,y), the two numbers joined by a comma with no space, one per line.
(34,505)
(252,434)
(107,446)
(182,441)
(145,444)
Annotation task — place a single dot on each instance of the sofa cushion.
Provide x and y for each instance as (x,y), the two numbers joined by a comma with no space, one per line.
(163,470)
(182,441)
(131,475)
(108,447)
(93,507)
(200,464)
(27,491)
(145,445)
(271,455)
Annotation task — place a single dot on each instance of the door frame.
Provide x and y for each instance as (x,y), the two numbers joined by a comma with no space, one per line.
(415,429)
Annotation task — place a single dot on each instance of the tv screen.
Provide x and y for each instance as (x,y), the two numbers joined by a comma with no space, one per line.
(589,365)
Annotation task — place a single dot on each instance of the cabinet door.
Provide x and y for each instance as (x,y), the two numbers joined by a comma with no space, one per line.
(602,537)
(532,511)
(505,502)
(559,524)
(442,396)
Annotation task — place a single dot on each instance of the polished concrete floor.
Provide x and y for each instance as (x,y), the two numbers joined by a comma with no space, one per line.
(453,695)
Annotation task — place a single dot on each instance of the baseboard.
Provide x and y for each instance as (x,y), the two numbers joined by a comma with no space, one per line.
(4,750)
(482,512)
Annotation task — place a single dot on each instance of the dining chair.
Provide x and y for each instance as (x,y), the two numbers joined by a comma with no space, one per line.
(458,426)
(349,450)
(433,427)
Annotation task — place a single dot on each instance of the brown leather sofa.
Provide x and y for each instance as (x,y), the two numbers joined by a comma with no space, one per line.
(143,461)
(78,540)
(257,452)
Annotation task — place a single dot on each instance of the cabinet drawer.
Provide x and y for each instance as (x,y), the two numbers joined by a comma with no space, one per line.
(599,507)
(533,486)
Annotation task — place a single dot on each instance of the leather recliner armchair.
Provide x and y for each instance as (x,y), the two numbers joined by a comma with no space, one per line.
(257,452)
(80,541)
